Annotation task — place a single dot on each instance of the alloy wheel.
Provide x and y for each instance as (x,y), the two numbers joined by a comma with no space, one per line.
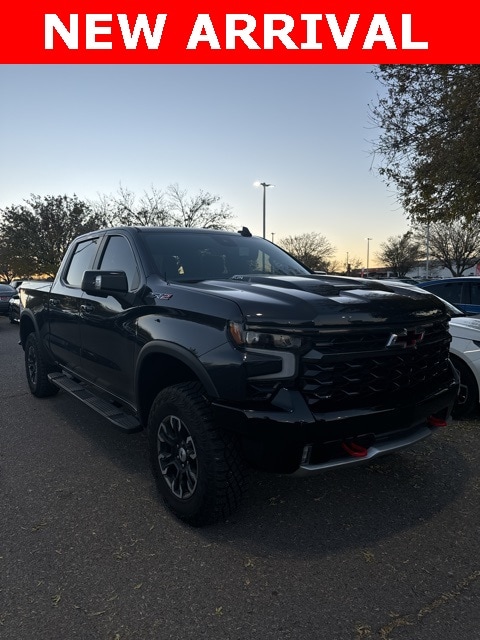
(32,365)
(177,457)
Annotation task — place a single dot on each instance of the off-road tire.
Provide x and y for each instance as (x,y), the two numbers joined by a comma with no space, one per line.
(36,369)
(198,467)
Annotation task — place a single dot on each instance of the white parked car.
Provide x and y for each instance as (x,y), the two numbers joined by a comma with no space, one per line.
(465,356)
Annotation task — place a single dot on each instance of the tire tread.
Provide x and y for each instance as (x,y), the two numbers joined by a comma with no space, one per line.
(43,388)
(226,477)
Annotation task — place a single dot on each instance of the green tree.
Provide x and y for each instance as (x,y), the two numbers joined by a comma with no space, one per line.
(400,253)
(312,249)
(7,272)
(429,146)
(38,232)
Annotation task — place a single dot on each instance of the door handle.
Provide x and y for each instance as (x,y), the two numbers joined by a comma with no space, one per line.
(86,308)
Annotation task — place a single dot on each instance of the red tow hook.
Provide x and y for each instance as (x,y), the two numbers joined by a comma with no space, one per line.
(355,450)
(433,421)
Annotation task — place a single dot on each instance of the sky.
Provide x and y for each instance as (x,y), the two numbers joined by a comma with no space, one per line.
(91,129)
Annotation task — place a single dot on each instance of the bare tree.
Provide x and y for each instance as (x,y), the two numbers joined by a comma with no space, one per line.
(400,253)
(125,208)
(331,266)
(312,249)
(456,245)
(353,264)
(173,207)
(202,210)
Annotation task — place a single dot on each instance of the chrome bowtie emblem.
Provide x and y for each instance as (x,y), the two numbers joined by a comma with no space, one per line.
(406,338)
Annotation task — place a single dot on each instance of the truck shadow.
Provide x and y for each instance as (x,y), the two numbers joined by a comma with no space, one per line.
(347,507)
(326,514)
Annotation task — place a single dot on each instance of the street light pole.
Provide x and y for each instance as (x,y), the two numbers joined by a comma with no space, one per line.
(264,185)
(427,265)
(368,252)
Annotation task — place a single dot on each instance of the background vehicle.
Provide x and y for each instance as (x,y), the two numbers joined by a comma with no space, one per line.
(463,292)
(405,280)
(6,292)
(231,353)
(14,309)
(465,356)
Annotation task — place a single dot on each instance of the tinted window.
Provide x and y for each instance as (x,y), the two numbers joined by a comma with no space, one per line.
(451,291)
(118,256)
(199,256)
(6,288)
(474,288)
(81,260)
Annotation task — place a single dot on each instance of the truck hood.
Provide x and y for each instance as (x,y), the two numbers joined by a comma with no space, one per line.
(323,300)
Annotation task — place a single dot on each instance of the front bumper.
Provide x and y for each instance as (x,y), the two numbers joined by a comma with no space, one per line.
(288,438)
(379,448)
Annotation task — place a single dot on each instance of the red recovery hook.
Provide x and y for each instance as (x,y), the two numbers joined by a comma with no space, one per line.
(354,450)
(433,421)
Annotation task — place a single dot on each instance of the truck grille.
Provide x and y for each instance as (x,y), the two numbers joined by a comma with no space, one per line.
(349,370)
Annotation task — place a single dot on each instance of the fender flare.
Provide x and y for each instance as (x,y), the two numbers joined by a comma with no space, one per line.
(27,313)
(163,347)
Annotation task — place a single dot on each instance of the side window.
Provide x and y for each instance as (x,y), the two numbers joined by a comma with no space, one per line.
(118,256)
(451,291)
(82,260)
(474,293)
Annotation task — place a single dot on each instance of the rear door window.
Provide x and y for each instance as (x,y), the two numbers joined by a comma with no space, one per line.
(474,288)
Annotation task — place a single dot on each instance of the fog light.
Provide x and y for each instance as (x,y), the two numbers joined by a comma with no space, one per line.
(307,452)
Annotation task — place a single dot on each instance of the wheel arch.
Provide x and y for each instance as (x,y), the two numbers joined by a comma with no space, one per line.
(28,325)
(468,374)
(456,356)
(163,364)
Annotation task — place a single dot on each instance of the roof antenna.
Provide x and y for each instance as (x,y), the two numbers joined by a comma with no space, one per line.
(245,232)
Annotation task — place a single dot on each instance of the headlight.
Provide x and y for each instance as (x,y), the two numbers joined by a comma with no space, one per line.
(261,339)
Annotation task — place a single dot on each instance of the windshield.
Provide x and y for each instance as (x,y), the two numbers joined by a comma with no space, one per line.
(193,256)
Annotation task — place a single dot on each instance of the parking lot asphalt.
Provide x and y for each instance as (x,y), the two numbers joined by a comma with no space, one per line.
(386,551)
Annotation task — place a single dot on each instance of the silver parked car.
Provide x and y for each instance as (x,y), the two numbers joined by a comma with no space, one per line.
(6,292)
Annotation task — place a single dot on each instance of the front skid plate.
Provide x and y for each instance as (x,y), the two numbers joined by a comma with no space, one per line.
(379,449)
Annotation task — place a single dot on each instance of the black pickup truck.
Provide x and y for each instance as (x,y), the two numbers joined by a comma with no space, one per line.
(232,355)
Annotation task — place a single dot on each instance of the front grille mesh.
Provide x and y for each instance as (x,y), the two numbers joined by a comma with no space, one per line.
(356,369)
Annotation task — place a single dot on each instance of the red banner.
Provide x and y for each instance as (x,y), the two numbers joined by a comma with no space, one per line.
(241,32)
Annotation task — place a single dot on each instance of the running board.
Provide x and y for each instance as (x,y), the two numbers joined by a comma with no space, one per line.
(119,418)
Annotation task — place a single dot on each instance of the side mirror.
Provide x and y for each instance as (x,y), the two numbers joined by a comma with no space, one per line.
(105,283)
